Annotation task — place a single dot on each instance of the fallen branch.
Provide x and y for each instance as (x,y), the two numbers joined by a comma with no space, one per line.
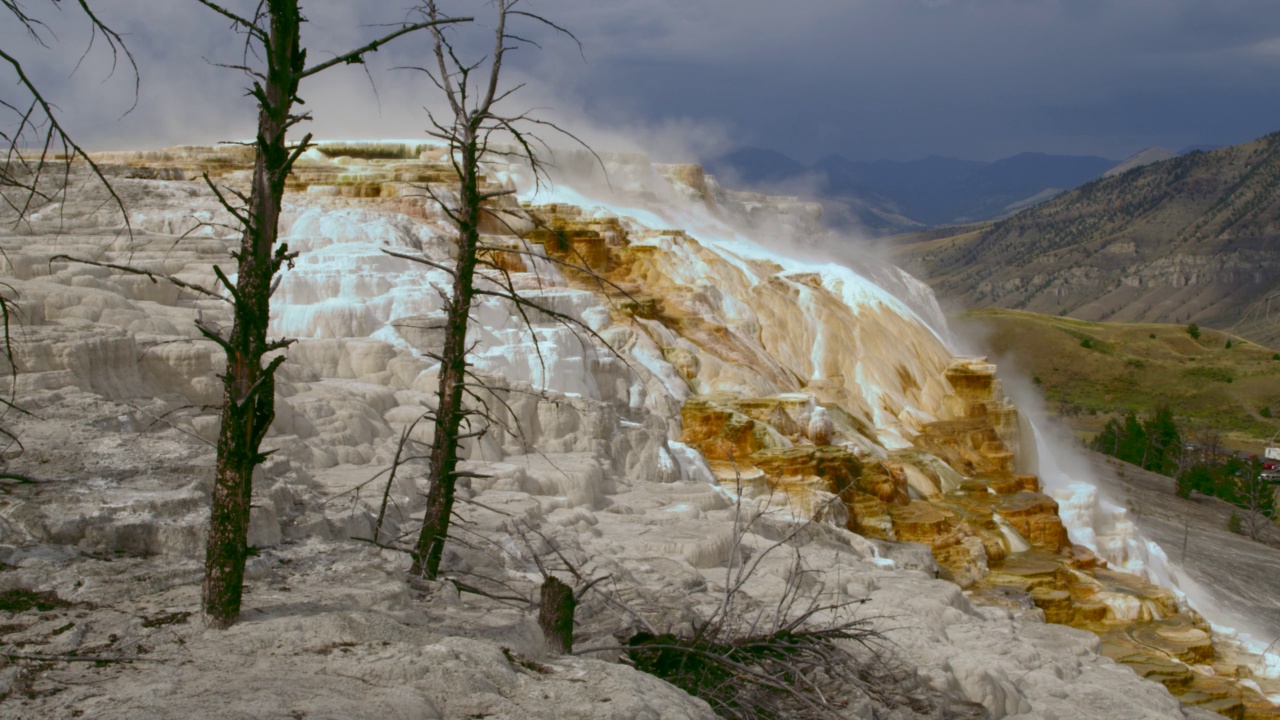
(71,658)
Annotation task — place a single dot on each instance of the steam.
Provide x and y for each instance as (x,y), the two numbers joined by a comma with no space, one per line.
(790,227)
(1095,521)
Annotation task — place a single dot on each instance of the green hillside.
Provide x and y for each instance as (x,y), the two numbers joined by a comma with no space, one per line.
(1091,371)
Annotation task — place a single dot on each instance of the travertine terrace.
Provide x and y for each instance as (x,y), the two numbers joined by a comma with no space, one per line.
(721,379)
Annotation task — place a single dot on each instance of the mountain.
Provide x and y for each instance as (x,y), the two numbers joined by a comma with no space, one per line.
(927,173)
(890,196)
(991,189)
(1203,147)
(754,166)
(770,171)
(1188,239)
(907,187)
(1141,158)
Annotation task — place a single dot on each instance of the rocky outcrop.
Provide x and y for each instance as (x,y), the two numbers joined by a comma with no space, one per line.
(991,531)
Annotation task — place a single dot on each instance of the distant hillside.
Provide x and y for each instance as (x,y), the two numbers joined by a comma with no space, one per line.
(1089,372)
(891,196)
(1190,239)
(753,166)
(1142,157)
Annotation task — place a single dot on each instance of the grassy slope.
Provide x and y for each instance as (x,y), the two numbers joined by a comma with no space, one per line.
(1204,383)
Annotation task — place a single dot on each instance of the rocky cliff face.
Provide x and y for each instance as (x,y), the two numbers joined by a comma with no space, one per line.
(1188,239)
(724,393)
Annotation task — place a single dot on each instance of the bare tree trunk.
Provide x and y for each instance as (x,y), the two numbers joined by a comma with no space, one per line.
(248,404)
(248,387)
(474,121)
(441,474)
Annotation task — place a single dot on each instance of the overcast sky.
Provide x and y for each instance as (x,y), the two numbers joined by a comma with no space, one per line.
(867,79)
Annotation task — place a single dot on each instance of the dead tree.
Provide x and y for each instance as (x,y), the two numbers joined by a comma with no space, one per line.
(475,122)
(1257,496)
(39,151)
(272,34)
(38,155)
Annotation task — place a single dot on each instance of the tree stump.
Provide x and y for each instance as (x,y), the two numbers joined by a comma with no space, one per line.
(555,616)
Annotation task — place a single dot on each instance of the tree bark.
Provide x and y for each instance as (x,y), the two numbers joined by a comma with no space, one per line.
(248,387)
(555,615)
(443,463)
(248,405)
(468,134)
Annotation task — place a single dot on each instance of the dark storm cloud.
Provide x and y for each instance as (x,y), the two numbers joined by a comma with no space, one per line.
(981,78)
(865,78)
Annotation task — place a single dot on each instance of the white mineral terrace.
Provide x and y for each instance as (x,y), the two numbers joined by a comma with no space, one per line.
(124,392)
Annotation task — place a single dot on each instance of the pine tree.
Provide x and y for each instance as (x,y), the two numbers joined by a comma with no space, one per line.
(1164,442)
(1133,441)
